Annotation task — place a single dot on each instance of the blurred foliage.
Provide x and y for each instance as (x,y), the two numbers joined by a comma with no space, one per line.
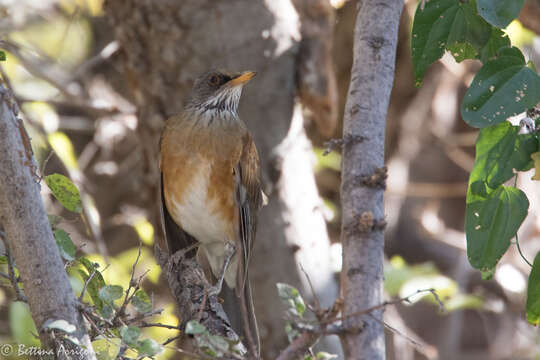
(403,280)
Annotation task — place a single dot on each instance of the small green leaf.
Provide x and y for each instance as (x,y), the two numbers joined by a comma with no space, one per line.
(21,325)
(533,293)
(291,297)
(110,293)
(106,349)
(500,13)
(2,55)
(60,325)
(193,327)
(65,192)
(95,284)
(130,334)
(141,302)
(149,347)
(502,88)
(54,220)
(488,274)
(321,355)
(65,245)
(107,311)
(499,150)
(3,259)
(490,223)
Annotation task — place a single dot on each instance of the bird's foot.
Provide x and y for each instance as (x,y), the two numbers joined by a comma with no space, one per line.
(230,249)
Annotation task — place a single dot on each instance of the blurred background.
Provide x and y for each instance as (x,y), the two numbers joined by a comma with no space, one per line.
(96,80)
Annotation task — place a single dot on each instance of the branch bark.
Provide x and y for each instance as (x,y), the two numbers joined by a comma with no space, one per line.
(30,239)
(364,175)
(189,286)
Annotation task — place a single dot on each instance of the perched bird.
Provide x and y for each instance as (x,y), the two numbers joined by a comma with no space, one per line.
(211,185)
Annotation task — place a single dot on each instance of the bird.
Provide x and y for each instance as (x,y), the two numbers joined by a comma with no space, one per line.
(211,185)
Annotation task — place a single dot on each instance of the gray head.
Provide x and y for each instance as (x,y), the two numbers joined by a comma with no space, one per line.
(219,90)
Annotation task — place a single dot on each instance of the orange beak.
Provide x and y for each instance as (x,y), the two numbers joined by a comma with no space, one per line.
(242,78)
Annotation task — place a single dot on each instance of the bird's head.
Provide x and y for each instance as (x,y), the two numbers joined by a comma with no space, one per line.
(219,90)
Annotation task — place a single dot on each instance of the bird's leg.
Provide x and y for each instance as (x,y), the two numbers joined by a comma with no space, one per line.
(230,249)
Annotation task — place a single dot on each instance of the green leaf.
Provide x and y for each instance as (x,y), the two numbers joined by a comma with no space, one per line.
(106,349)
(3,259)
(65,245)
(533,293)
(490,223)
(65,192)
(54,220)
(499,150)
(291,297)
(95,284)
(497,40)
(193,327)
(500,13)
(130,334)
(110,293)
(446,24)
(2,55)
(60,325)
(21,325)
(141,302)
(107,311)
(502,88)
(149,347)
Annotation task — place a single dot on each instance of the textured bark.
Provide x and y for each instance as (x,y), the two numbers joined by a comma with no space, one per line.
(29,235)
(165,46)
(189,287)
(364,175)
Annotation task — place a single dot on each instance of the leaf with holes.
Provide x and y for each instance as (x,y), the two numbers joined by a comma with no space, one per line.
(446,24)
(65,192)
(502,88)
(500,13)
(490,223)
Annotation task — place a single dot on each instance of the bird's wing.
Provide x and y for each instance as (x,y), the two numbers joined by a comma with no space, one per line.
(249,199)
(177,239)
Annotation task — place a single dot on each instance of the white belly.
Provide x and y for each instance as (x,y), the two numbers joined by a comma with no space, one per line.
(197,216)
(197,213)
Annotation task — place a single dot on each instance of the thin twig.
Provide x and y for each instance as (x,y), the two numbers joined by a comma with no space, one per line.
(171,327)
(520,253)
(12,277)
(170,340)
(132,283)
(86,284)
(392,302)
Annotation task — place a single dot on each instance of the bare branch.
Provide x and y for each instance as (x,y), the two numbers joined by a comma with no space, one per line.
(30,237)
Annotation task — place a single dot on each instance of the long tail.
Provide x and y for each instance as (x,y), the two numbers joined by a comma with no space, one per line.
(241,313)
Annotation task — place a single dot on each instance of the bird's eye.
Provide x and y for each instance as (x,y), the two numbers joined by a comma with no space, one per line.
(214,80)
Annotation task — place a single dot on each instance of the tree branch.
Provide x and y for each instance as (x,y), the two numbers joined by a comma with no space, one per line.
(363,175)
(189,287)
(27,229)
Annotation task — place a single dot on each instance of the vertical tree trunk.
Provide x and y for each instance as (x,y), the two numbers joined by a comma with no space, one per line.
(166,45)
(29,235)
(364,174)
